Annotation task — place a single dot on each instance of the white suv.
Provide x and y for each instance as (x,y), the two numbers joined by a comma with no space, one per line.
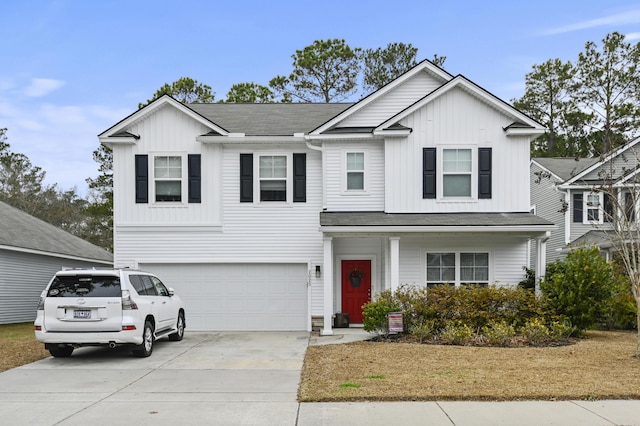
(91,307)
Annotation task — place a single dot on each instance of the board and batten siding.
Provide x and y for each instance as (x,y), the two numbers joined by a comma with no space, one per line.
(457,119)
(394,101)
(548,203)
(337,197)
(23,276)
(507,255)
(166,132)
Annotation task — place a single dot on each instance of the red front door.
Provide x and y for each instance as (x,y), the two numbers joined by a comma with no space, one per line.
(356,287)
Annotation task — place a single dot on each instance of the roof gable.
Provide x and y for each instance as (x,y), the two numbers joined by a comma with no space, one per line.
(523,124)
(118,133)
(609,158)
(423,67)
(21,231)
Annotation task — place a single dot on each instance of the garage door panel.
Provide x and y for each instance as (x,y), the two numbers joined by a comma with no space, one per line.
(239,296)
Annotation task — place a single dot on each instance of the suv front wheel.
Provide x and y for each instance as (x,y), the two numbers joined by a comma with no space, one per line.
(145,349)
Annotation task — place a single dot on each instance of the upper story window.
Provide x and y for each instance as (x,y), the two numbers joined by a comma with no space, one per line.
(592,207)
(276,177)
(170,176)
(461,172)
(273,178)
(167,175)
(456,172)
(355,171)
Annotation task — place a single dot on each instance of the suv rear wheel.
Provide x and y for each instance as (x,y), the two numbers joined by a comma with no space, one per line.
(61,351)
(145,349)
(179,334)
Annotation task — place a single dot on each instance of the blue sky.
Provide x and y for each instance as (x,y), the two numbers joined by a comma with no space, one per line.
(69,69)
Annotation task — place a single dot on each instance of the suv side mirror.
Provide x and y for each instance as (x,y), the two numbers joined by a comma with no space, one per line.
(171,292)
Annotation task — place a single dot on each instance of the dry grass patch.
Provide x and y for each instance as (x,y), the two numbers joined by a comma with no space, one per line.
(601,366)
(18,346)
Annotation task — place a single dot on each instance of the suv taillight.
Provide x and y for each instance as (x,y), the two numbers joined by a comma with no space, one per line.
(127,303)
(41,304)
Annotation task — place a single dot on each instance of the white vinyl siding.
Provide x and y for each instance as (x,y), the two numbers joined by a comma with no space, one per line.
(457,119)
(393,102)
(337,197)
(167,132)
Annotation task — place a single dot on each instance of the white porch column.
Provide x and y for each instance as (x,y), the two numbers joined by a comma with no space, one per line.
(394,262)
(541,259)
(327,243)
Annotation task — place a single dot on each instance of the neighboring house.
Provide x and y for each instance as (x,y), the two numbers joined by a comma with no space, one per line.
(569,192)
(31,252)
(279,216)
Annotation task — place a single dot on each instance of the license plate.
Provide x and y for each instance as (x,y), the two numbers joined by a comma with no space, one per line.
(82,313)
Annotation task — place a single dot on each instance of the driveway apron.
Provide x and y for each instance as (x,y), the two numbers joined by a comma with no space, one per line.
(234,378)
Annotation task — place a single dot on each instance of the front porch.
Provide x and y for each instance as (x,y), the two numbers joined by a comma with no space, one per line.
(389,250)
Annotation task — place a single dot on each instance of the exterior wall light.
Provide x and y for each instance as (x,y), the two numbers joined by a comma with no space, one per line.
(318,273)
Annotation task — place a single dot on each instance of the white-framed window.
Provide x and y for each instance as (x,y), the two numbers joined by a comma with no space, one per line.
(592,207)
(457,268)
(273,177)
(355,171)
(457,173)
(168,178)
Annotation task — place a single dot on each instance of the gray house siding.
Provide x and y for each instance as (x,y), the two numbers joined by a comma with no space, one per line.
(23,276)
(548,204)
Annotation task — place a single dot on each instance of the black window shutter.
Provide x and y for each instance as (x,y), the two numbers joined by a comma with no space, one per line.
(194,174)
(428,173)
(246,178)
(142,178)
(608,208)
(299,178)
(577,207)
(484,172)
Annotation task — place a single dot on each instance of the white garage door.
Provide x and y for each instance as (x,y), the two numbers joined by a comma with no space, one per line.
(239,296)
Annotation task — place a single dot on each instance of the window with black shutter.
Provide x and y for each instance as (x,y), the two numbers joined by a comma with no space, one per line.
(577,207)
(428,173)
(484,172)
(142,178)
(299,178)
(194,175)
(246,178)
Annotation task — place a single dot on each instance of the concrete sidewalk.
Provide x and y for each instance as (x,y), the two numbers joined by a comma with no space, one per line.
(235,378)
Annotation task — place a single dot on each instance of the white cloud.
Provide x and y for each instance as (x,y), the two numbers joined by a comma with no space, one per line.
(42,86)
(622,18)
(632,36)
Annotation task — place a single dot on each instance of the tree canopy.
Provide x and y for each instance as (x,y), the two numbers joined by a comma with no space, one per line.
(185,90)
(590,106)
(382,66)
(249,93)
(325,71)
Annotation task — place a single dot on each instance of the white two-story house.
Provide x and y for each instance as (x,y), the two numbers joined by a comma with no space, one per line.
(279,216)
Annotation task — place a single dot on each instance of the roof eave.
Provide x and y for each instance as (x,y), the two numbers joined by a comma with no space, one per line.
(433,229)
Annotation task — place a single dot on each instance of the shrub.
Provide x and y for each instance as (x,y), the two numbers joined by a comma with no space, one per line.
(456,333)
(535,331)
(561,330)
(498,333)
(424,330)
(375,313)
(621,311)
(581,288)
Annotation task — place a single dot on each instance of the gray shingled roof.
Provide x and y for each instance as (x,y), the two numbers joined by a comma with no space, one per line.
(566,168)
(20,230)
(463,220)
(269,119)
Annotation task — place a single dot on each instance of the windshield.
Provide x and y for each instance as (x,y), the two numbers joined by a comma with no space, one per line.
(85,286)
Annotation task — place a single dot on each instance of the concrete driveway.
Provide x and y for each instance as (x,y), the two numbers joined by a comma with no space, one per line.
(234,378)
(207,378)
